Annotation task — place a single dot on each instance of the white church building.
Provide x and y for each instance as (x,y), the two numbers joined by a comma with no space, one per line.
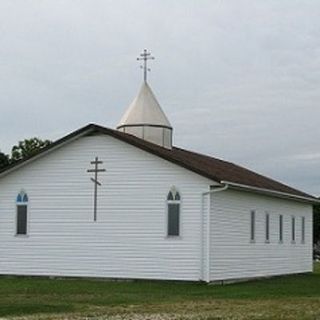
(127,204)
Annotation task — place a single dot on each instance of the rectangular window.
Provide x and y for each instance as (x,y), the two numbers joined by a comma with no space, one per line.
(281,228)
(173,219)
(302,229)
(252,227)
(21,220)
(293,229)
(267,227)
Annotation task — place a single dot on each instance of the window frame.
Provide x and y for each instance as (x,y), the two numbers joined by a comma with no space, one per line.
(252,224)
(280,228)
(267,227)
(18,204)
(293,229)
(174,191)
(303,229)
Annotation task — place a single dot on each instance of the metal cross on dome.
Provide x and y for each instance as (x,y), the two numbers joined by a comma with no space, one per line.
(145,56)
(96,170)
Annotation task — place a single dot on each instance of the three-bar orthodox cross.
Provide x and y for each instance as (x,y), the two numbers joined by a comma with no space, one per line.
(145,56)
(96,170)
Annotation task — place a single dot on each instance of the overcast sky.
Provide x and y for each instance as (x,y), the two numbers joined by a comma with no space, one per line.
(239,80)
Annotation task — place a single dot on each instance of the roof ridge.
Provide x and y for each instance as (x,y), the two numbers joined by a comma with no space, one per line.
(201,154)
(207,166)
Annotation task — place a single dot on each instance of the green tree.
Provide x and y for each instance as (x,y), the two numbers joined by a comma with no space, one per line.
(4,160)
(27,148)
(316,223)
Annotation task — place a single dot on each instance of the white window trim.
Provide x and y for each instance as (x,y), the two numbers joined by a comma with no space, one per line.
(280,230)
(303,230)
(16,234)
(252,239)
(293,230)
(267,219)
(174,190)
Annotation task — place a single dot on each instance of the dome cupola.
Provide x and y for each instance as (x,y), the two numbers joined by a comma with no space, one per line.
(144,117)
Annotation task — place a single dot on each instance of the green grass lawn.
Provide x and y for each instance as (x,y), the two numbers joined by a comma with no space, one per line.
(290,297)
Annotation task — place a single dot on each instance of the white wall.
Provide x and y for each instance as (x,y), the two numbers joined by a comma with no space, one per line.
(233,256)
(129,238)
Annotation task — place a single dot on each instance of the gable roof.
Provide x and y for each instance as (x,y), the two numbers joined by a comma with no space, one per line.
(220,171)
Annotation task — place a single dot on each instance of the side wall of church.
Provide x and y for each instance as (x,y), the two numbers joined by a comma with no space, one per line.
(233,255)
(129,238)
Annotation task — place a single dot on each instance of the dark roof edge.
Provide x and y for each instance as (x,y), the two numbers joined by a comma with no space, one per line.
(90,128)
(306,195)
(56,144)
(146,146)
(278,194)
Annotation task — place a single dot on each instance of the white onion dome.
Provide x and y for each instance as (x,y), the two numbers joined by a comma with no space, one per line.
(145,119)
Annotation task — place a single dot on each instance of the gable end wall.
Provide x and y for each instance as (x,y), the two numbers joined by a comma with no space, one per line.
(128,240)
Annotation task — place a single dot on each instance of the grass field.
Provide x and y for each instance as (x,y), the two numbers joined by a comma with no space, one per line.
(290,297)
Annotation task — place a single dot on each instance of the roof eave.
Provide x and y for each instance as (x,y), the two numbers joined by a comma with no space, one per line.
(51,147)
(274,193)
(121,136)
(96,128)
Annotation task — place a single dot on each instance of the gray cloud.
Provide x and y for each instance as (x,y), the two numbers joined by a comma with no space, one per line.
(237,79)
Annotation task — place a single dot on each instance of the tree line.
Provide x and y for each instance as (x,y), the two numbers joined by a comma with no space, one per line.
(29,147)
(22,150)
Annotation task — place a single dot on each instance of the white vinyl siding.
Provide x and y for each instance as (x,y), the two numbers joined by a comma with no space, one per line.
(233,257)
(128,240)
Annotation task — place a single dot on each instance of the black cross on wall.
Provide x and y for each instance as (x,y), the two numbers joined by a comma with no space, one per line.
(96,170)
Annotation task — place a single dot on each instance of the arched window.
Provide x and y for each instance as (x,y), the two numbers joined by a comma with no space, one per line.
(173,204)
(22,212)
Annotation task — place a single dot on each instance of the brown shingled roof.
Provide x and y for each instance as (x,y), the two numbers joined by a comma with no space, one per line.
(209,167)
(227,171)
